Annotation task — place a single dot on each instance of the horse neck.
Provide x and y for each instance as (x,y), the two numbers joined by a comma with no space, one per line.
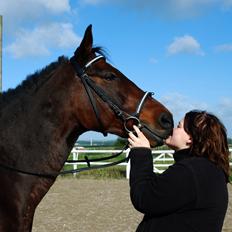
(58,123)
(42,130)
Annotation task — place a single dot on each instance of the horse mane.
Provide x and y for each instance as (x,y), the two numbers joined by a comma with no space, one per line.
(31,83)
(34,81)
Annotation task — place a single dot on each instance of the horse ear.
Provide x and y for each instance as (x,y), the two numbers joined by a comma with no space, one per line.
(87,42)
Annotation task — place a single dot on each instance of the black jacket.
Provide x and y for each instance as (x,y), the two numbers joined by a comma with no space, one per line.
(190,196)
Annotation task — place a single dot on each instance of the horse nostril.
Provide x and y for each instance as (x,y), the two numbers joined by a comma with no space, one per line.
(166,120)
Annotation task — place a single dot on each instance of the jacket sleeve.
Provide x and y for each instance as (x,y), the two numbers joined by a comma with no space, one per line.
(159,194)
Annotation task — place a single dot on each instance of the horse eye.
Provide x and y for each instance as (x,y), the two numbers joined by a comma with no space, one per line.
(110,76)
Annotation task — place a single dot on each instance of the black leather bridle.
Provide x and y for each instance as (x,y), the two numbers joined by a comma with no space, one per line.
(89,84)
(128,119)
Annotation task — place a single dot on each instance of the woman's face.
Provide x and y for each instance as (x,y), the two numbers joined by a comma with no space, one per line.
(179,138)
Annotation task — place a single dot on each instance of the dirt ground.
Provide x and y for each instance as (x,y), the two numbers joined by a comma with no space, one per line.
(87,205)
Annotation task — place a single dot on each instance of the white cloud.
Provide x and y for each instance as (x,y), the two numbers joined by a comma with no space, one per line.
(224,48)
(224,110)
(185,44)
(24,23)
(16,12)
(153,60)
(39,41)
(225,106)
(93,2)
(227,4)
(56,6)
(179,104)
(9,7)
(171,9)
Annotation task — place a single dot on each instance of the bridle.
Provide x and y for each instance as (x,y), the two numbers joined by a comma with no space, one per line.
(128,119)
(89,85)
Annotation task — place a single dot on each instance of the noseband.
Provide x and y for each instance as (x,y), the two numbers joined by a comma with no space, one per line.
(134,118)
(128,119)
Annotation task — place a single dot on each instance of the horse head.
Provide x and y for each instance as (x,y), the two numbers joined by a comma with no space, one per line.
(116,102)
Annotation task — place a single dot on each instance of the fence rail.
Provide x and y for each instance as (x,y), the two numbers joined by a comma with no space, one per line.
(162,158)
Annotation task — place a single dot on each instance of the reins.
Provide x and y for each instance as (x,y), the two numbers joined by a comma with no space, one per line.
(77,170)
(89,85)
(88,162)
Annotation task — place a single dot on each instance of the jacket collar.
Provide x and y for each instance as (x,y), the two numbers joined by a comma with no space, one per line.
(182,154)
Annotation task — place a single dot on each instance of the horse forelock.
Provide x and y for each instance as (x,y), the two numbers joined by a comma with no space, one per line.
(100,51)
(34,81)
(105,74)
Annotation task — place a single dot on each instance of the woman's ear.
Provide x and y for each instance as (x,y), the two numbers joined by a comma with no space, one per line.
(189,141)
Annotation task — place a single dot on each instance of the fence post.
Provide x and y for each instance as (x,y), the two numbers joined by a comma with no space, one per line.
(128,164)
(75,157)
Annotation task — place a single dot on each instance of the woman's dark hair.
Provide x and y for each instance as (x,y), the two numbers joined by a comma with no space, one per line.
(209,138)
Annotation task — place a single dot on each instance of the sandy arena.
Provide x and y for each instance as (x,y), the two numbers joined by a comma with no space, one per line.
(87,205)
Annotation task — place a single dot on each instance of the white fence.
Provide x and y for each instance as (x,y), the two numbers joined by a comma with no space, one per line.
(162,158)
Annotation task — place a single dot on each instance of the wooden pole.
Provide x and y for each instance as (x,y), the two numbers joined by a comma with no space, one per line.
(0,53)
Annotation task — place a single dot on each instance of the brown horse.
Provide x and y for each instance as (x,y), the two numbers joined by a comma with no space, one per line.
(42,118)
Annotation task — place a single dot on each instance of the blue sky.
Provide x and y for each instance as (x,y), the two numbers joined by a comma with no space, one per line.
(181,50)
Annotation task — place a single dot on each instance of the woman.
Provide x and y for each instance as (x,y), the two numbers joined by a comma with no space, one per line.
(191,195)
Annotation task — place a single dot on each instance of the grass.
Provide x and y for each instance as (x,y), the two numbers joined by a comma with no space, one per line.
(115,172)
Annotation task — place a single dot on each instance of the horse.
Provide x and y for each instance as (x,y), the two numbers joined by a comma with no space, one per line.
(42,118)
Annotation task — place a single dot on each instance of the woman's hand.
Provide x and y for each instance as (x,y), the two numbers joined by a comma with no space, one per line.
(138,141)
